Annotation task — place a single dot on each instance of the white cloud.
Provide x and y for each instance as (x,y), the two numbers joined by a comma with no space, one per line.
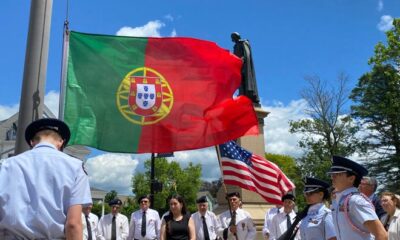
(169,17)
(150,29)
(277,137)
(380,5)
(52,100)
(8,111)
(386,23)
(206,157)
(112,171)
(173,33)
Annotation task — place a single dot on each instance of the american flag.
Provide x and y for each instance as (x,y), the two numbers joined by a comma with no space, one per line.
(249,171)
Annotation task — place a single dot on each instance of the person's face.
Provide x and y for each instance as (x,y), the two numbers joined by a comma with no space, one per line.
(314,197)
(388,204)
(234,202)
(202,208)
(341,181)
(365,187)
(87,209)
(288,205)
(144,204)
(175,206)
(115,209)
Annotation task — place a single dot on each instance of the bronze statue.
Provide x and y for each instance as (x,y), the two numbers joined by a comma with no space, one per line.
(248,86)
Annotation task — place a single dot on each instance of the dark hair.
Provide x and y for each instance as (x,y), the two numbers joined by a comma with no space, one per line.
(180,199)
(357,180)
(143,197)
(232,194)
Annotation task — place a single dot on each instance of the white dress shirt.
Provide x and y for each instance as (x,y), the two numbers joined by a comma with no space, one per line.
(268,219)
(213,225)
(244,225)
(105,224)
(394,225)
(94,221)
(359,211)
(153,225)
(279,225)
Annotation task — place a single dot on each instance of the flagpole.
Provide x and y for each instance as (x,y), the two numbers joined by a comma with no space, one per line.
(64,69)
(223,184)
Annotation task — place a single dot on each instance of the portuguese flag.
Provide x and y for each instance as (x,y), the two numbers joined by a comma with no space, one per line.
(152,95)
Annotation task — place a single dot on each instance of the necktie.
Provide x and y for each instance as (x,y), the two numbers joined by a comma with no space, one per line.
(233,219)
(288,222)
(143,230)
(113,229)
(89,227)
(205,229)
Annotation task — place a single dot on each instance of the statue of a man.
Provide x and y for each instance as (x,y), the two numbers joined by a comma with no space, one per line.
(248,86)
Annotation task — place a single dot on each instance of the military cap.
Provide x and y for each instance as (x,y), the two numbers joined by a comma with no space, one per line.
(288,196)
(313,184)
(47,124)
(115,201)
(342,164)
(233,194)
(202,199)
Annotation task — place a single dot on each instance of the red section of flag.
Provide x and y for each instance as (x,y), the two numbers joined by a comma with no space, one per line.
(254,173)
(203,78)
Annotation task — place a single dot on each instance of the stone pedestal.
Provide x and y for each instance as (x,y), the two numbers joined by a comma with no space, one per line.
(252,202)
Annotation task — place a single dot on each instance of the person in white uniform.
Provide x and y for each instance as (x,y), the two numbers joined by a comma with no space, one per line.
(90,222)
(145,222)
(353,213)
(113,226)
(317,224)
(42,190)
(268,220)
(236,221)
(282,221)
(205,222)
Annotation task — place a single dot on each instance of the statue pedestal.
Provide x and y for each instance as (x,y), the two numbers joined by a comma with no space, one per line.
(252,202)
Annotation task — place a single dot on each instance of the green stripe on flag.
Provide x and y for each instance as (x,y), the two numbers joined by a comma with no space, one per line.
(97,64)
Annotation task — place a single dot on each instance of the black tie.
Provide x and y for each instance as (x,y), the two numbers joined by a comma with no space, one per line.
(89,227)
(143,230)
(113,229)
(288,222)
(205,229)
(233,219)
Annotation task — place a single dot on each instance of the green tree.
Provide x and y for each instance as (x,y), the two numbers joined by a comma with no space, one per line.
(288,166)
(185,182)
(129,206)
(376,100)
(110,196)
(328,130)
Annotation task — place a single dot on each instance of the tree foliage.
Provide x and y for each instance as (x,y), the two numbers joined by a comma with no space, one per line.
(377,105)
(185,182)
(110,196)
(288,166)
(212,186)
(328,130)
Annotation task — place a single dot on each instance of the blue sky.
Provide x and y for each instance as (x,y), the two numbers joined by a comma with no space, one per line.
(290,39)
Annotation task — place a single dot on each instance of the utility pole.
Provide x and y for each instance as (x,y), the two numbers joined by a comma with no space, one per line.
(35,69)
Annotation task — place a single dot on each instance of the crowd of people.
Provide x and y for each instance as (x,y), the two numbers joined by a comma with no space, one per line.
(45,194)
